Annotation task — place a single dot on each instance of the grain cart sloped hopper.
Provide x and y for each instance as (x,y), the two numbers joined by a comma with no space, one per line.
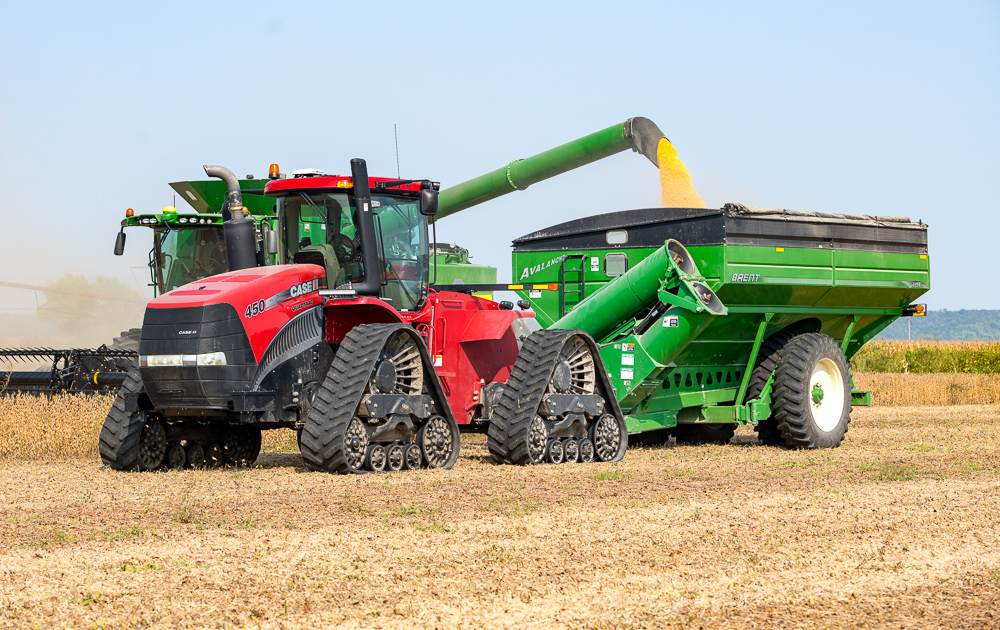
(708,319)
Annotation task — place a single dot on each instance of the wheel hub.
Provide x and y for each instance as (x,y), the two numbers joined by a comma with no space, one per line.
(562,377)
(385,376)
(817,394)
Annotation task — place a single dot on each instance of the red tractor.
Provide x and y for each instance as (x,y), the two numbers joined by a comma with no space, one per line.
(351,345)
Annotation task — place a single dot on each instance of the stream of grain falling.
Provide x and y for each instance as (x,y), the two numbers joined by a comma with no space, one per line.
(676,189)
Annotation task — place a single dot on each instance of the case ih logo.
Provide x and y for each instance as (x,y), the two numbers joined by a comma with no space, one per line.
(299,290)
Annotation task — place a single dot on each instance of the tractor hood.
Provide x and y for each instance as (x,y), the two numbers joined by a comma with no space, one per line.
(263,298)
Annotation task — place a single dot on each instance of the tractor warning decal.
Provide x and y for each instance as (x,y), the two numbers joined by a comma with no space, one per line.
(292,292)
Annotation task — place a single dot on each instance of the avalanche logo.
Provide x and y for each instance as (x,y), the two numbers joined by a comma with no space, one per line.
(530,271)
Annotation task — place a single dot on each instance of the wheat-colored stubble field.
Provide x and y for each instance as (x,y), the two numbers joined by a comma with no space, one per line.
(897,528)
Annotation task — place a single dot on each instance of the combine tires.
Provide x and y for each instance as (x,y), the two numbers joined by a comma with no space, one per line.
(381,407)
(558,405)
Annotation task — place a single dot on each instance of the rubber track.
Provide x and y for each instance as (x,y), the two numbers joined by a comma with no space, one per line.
(119,441)
(767,360)
(792,389)
(322,443)
(507,439)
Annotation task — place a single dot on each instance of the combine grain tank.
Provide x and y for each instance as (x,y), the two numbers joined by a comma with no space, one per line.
(707,319)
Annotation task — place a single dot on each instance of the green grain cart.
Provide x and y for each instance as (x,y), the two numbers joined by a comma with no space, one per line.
(703,319)
(707,319)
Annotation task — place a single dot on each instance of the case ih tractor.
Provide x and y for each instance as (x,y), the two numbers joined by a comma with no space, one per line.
(348,344)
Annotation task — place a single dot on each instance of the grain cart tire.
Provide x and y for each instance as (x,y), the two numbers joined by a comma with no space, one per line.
(554,370)
(812,392)
(767,359)
(377,365)
(131,440)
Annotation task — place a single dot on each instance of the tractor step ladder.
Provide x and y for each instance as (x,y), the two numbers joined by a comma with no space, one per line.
(572,277)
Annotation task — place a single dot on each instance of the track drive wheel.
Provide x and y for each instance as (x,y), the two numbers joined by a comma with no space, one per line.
(811,400)
(767,360)
(131,441)
(379,367)
(557,391)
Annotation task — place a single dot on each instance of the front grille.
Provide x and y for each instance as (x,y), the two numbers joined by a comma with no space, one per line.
(196,330)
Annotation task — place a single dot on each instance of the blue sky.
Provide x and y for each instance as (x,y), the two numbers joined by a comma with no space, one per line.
(867,107)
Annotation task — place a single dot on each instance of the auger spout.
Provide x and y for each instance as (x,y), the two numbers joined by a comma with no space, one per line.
(639,134)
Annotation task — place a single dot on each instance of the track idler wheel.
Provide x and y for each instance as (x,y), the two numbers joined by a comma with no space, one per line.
(176,457)
(558,405)
(241,445)
(195,455)
(439,442)
(380,407)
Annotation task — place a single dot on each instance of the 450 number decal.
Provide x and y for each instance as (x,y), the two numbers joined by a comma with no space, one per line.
(254,308)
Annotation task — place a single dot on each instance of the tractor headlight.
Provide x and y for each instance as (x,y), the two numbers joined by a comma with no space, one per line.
(212,358)
(178,360)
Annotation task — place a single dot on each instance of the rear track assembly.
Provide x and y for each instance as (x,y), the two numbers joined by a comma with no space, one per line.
(380,408)
(558,405)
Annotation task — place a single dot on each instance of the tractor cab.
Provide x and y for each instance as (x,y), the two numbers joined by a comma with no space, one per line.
(380,251)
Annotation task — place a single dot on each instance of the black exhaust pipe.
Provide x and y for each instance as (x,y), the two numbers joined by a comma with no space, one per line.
(237,229)
(365,221)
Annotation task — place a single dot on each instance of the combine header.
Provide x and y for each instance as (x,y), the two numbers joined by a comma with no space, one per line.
(76,371)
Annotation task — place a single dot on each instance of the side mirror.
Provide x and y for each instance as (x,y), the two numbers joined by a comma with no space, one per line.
(120,243)
(428,202)
(271,242)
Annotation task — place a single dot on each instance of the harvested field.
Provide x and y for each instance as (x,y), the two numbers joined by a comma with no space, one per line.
(897,528)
